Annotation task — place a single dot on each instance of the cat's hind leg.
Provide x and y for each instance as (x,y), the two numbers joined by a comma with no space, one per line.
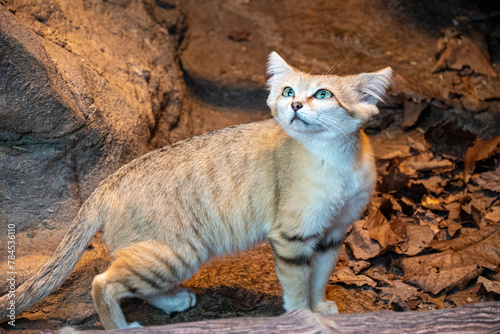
(143,269)
(106,296)
(176,300)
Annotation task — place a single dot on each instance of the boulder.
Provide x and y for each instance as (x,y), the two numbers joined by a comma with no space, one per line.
(85,87)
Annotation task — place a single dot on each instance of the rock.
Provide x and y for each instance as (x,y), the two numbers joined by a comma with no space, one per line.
(84,88)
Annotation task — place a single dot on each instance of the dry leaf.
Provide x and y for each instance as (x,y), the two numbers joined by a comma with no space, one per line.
(412,112)
(428,218)
(381,231)
(465,240)
(360,243)
(418,238)
(346,276)
(493,214)
(438,301)
(482,149)
(434,184)
(358,265)
(465,297)
(398,289)
(490,286)
(418,144)
(450,269)
(490,180)
(453,210)
(453,227)
(424,162)
(432,203)
(447,138)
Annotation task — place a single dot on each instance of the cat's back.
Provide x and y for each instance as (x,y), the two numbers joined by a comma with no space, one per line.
(234,145)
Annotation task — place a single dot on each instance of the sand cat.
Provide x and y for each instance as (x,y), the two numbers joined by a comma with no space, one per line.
(300,180)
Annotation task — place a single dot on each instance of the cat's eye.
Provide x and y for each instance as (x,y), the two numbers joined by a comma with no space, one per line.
(288,92)
(323,94)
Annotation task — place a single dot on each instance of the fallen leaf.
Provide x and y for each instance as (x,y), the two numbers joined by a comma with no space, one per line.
(453,210)
(346,276)
(434,184)
(490,180)
(360,243)
(424,162)
(407,205)
(490,286)
(393,178)
(453,227)
(438,301)
(465,297)
(418,238)
(429,218)
(389,205)
(482,149)
(493,214)
(398,289)
(378,274)
(358,265)
(412,111)
(418,144)
(447,138)
(432,203)
(450,269)
(381,231)
(465,240)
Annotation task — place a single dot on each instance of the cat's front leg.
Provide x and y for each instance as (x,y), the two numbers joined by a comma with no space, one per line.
(327,252)
(293,257)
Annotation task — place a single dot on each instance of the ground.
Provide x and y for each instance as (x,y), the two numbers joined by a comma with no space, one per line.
(429,207)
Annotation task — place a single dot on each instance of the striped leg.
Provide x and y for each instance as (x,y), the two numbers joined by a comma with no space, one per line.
(143,269)
(292,256)
(326,258)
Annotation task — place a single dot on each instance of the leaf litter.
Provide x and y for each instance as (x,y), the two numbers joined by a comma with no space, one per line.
(431,235)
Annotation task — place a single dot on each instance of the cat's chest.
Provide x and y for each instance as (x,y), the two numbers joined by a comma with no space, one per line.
(332,187)
(335,193)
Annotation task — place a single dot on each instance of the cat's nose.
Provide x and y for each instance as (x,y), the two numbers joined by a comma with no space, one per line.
(297,105)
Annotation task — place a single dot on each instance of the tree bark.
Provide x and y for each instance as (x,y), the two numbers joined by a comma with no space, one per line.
(475,318)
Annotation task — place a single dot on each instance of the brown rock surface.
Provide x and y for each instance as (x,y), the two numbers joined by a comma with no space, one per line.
(84,88)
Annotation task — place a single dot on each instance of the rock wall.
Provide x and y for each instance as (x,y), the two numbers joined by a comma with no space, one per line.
(85,86)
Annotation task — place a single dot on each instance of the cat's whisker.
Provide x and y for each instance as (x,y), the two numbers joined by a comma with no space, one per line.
(333,123)
(333,67)
(336,67)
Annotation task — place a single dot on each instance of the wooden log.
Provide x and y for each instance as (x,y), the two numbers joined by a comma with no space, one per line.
(475,318)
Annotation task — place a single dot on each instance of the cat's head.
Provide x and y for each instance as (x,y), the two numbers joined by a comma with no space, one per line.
(322,104)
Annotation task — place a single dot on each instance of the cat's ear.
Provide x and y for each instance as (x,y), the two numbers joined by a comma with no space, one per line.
(371,88)
(277,68)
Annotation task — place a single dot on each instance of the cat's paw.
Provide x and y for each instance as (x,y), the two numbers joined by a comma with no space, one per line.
(328,307)
(134,324)
(178,301)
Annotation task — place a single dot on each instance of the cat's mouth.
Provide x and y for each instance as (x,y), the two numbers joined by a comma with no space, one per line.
(297,118)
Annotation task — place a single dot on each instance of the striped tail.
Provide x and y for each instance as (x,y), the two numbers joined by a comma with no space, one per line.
(60,265)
